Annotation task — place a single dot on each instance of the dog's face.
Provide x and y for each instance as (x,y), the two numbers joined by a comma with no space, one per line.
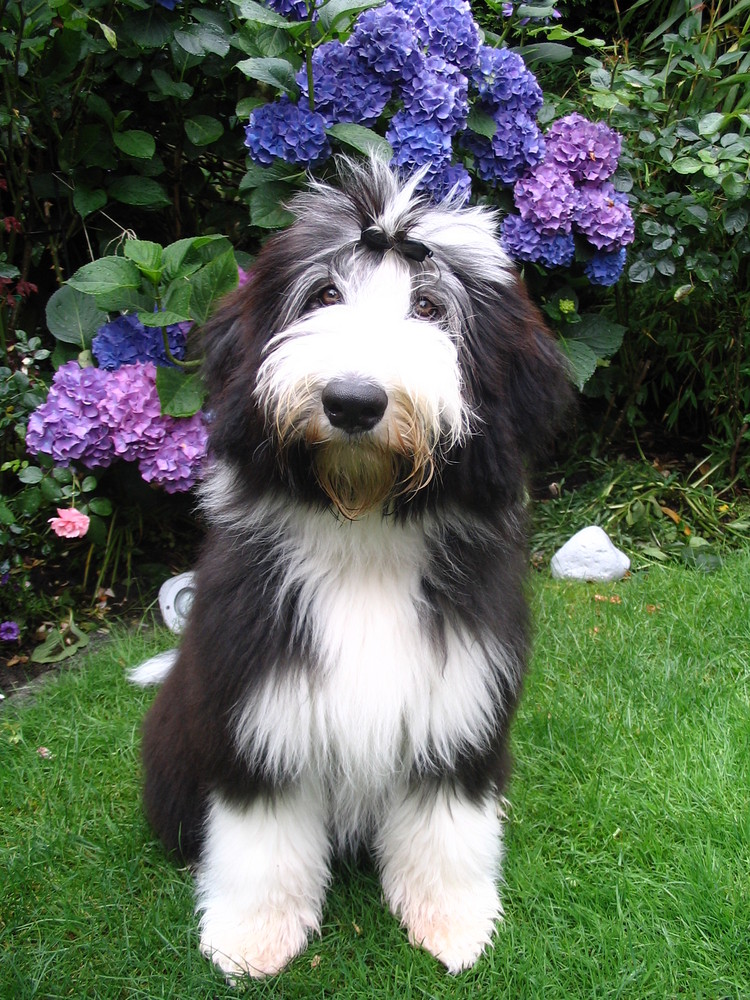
(379,341)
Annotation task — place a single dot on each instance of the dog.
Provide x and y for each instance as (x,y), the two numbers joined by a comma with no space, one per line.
(359,632)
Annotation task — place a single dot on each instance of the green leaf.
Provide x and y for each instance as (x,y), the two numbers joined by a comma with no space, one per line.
(181,394)
(169,87)
(146,256)
(210,283)
(199,39)
(185,256)
(364,140)
(73,316)
(106,275)
(162,318)
(141,191)
(256,13)
(335,11)
(600,334)
(266,206)
(276,72)
(582,361)
(202,130)
(641,271)
(31,475)
(100,506)
(687,165)
(88,200)
(60,645)
(481,123)
(135,143)
(711,123)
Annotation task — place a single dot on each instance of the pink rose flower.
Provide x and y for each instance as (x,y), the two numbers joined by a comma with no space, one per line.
(70,523)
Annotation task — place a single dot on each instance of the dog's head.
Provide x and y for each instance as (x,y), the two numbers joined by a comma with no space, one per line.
(383,352)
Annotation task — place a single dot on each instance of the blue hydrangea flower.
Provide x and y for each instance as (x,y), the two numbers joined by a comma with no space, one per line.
(516,146)
(295,10)
(286,131)
(453,181)
(418,144)
(605,268)
(546,198)
(438,94)
(384,39)
(68,425)
(502,80)
(169,4)
(126,340)
(589,151)
(345,89)
(447,29)
(523,242)
(604,217)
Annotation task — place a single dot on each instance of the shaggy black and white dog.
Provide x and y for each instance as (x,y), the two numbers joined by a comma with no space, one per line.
(358,637)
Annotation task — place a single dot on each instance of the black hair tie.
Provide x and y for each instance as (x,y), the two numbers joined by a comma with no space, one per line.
(375,239)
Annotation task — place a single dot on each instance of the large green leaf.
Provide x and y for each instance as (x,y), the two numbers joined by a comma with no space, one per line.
(140,191)
(258,14)
(87,200)
(135,143)
(364,140)
(276,72)
(146,256)
(74,317)
(202,130)
(266,206)
(335,14)
(210,283)
(107,274)
(582,361)
(181,394)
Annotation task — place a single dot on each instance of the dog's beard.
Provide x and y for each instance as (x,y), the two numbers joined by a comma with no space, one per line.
(362,472)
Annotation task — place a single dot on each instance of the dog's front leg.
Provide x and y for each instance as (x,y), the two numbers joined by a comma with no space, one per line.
(440,859)
(261,880)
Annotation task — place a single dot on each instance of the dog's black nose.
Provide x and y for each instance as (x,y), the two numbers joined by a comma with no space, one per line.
(353,405)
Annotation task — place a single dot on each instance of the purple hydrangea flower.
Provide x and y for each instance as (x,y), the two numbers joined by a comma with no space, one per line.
(132,411)
(447,29)
(516,146)
(604,217)
(439,94)
(178,461)
(418,144)
(503,81)
(546,198)
(126,340)
(384,39)
(68,425)
(345,89)
(9,631)
(589,151)
(286,131)
(605,268)
(522,241)
(296,10)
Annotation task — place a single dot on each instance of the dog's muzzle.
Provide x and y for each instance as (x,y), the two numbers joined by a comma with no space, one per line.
(353,405)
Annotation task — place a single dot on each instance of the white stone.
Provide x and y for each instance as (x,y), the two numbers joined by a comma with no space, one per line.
(589,555)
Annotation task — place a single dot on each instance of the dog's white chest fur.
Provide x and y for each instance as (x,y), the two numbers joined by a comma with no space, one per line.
(379,693)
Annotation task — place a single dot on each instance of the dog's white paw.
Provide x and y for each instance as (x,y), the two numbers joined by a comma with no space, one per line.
(256,946)
(457,939)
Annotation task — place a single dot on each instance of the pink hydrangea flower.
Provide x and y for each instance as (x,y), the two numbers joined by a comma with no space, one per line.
(70,523)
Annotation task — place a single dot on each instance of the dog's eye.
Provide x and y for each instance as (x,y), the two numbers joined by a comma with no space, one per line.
(330,296)
(425,308)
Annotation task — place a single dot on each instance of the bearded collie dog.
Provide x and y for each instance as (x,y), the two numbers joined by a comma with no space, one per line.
(358,637)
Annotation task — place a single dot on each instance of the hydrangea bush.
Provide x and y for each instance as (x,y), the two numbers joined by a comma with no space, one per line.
(418,82)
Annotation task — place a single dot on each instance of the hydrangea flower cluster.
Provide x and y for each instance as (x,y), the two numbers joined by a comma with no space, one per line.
(427,56)
(94,415)
(570,193)
(126,340)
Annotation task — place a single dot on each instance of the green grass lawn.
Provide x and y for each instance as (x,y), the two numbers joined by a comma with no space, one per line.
(628,842)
